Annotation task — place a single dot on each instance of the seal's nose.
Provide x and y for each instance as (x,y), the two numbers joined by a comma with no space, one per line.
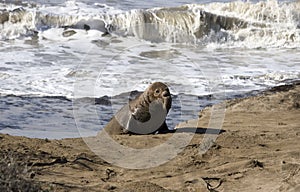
(166,94)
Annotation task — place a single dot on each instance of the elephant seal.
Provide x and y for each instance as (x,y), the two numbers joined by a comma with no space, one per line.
(146,114)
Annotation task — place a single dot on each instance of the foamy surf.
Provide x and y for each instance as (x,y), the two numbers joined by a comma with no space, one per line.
(95,43)
(58,30)
(234,24)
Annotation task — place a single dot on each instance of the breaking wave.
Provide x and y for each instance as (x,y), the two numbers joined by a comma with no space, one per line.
(238,24)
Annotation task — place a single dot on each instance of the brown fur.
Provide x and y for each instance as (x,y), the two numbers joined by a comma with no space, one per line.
(139,108)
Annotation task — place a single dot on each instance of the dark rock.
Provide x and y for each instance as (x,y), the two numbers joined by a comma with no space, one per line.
(68,33)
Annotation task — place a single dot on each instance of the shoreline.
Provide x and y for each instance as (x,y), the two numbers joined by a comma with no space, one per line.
(61,111)
(256,151)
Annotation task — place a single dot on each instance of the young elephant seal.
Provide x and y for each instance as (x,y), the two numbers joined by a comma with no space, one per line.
(145,114)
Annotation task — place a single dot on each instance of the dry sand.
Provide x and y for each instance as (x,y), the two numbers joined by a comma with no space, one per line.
(258,149)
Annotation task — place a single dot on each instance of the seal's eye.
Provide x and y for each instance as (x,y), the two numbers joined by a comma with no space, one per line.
(157,91)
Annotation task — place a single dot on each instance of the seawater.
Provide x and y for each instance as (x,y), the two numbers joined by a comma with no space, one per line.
(84,57)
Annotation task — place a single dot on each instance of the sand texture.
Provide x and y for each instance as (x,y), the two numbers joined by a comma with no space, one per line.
(258,149)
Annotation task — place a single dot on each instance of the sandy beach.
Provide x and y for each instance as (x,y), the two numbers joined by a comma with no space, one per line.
(256,150)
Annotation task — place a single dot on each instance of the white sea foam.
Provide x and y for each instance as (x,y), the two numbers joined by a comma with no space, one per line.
(142,42)
(269,23)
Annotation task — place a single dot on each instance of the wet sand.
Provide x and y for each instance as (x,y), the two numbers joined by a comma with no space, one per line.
(256,150)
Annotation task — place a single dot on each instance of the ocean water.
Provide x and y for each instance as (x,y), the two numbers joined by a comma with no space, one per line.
(67,66)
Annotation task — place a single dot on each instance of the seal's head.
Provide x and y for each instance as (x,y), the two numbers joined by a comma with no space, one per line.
(160,92)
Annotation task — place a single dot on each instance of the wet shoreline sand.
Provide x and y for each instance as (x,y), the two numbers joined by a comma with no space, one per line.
(257,150)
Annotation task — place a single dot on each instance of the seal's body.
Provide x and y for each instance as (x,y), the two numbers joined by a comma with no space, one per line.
(145,114)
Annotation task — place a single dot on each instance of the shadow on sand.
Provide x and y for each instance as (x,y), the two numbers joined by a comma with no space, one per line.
(199,130)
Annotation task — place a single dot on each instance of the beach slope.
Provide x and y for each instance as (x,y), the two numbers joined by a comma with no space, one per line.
(256,150)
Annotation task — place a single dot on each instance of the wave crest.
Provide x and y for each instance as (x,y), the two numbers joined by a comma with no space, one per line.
(267,23)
